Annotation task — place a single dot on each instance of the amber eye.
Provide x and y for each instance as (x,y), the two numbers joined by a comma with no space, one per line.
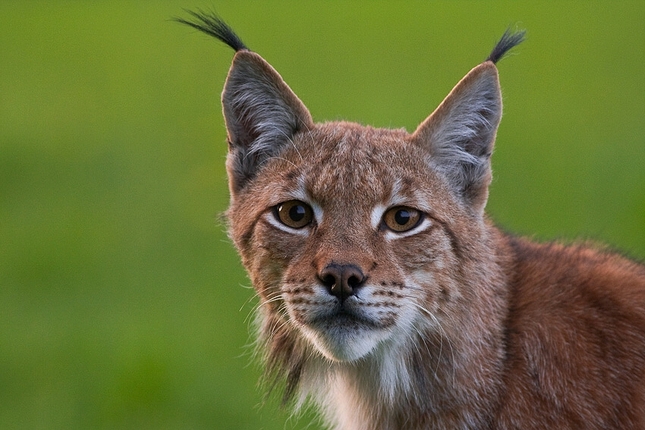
(294,213)
(401,218)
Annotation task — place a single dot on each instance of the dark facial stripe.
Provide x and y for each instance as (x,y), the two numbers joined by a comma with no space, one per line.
(455,246)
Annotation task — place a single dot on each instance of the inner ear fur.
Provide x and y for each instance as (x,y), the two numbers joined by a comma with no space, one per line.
(459,135)
(262,114)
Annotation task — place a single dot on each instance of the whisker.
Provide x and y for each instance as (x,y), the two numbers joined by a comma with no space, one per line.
(248,300)
(290,140)
(444,335)
(283,159)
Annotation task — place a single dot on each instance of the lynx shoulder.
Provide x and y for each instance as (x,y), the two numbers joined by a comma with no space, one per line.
(389,299)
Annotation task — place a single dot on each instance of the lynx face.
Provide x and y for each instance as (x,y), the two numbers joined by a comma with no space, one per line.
(364,245)
(350,238)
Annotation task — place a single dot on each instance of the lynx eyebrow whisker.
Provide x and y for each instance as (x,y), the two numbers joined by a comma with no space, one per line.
(282,159)
(290,140)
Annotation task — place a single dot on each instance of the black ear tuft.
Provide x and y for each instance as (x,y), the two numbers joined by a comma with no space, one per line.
(508,41)
(211,24)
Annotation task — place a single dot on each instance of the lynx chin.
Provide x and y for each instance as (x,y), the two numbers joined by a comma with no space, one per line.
(389,299)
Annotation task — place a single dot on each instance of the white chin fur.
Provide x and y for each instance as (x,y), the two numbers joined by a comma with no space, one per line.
(345,345)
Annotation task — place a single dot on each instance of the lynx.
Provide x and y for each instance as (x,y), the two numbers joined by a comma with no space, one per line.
(387,296)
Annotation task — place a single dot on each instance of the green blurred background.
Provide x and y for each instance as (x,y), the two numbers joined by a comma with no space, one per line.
(122,303)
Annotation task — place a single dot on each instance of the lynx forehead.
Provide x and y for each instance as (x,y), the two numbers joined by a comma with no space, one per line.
(386,295)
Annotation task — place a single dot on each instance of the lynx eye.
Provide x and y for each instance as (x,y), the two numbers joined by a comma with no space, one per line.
(294,214)
(402,218)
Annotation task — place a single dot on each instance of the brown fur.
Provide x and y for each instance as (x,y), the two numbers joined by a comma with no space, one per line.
(449,324)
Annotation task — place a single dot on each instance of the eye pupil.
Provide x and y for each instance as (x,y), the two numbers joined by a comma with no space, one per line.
(402,217)
(297,213)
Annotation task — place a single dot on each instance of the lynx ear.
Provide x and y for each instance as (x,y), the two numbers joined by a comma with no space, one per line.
(262,114)
(460,133)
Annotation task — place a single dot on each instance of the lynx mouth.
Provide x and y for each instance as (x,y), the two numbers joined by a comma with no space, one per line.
(344,335)
(344,331)
(344,318)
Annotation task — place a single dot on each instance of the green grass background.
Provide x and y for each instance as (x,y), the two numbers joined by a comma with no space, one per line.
(122,304)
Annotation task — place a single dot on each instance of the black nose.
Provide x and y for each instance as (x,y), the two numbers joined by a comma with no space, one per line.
(342,280)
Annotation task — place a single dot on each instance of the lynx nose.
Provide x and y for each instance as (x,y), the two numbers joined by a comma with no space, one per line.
(342,279)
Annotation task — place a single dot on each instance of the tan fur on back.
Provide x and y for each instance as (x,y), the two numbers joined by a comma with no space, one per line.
(442,323)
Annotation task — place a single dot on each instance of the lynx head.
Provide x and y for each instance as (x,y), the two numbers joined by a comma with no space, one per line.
(359,241)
